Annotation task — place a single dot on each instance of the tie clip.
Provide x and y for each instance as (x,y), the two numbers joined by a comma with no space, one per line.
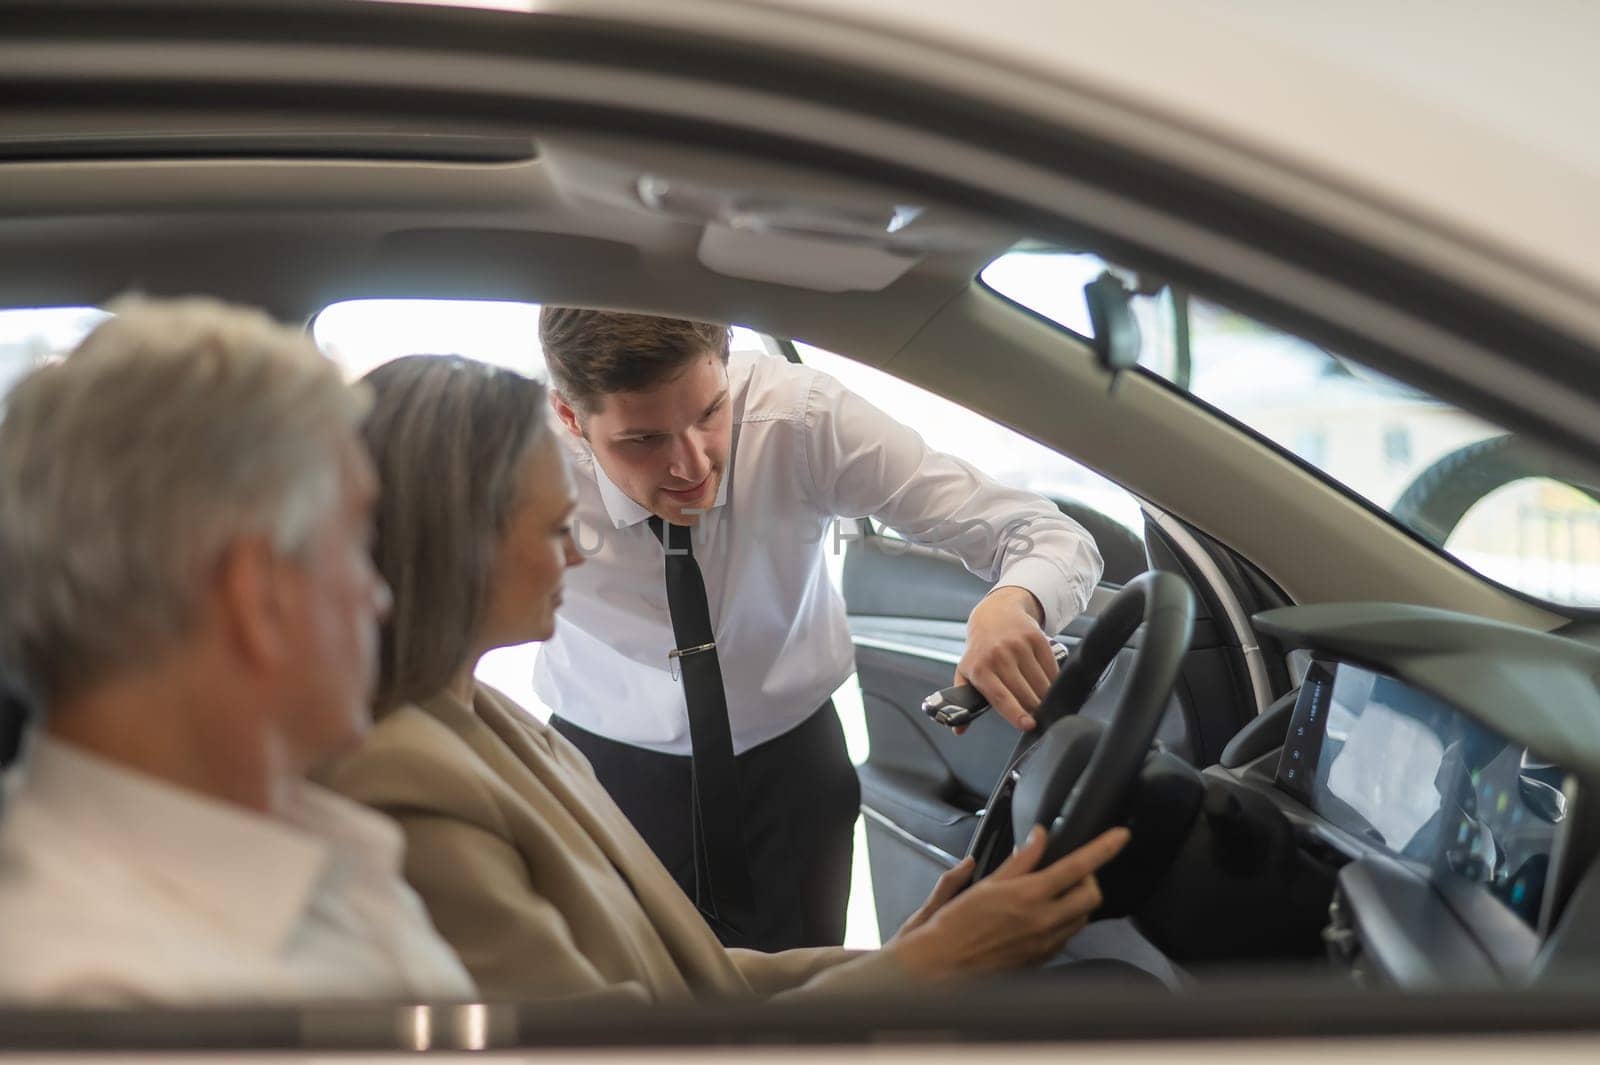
(677,653)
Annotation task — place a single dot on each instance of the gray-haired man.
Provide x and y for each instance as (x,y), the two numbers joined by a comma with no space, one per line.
(188,593)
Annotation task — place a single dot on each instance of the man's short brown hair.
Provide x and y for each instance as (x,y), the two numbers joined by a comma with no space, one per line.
(592,354)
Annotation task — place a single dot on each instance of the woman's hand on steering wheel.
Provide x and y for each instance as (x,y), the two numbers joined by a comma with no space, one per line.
(1018,916)
(951,883)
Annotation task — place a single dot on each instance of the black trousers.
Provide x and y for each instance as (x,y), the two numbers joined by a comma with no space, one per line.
(800,800)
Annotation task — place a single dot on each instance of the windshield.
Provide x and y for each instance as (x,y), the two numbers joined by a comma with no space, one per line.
(1508,510)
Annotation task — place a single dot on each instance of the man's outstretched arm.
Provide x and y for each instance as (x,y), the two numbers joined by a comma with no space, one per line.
(1045,565)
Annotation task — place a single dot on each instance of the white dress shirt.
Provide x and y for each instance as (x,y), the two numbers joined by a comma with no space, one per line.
(119,888)
(805,451)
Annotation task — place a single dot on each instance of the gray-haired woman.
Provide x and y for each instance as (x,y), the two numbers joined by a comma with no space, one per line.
(528,868)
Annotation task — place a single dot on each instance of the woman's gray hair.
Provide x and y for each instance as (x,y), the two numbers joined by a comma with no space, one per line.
(449,436)
(129,467)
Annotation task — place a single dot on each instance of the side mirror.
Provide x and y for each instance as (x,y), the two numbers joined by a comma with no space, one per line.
(1116,332)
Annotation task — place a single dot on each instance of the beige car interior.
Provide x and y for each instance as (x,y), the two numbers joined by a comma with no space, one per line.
(629,224)
(812,177)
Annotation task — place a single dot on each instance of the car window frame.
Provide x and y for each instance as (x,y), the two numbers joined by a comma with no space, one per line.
(1570,611)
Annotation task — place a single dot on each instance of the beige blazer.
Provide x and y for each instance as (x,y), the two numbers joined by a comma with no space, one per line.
(540,882)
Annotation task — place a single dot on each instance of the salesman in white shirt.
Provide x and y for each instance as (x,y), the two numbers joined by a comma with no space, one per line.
(699,647)
(189,595)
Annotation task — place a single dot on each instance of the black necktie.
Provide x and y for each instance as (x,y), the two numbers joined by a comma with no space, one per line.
(722,873)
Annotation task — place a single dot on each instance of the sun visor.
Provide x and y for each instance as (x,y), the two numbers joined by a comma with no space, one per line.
(769,222)
(804,262)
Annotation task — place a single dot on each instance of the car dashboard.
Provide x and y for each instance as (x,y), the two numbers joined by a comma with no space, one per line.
(1447,767)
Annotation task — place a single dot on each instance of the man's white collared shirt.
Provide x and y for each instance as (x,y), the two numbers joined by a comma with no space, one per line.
(806,451)
(119,888)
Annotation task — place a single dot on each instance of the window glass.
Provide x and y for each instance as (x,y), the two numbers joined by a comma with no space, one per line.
(361,335)
(1490,500)
(1050,283)
(1002,453)
(31,335)
(1535,534)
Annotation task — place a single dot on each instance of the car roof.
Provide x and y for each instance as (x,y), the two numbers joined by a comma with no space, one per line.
(1474,122)
(471,177)
(1446,141)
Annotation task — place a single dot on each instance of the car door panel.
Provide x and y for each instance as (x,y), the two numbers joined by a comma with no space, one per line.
(923,786)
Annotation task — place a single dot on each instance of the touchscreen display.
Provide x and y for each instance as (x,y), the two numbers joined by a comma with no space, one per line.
(1395,766)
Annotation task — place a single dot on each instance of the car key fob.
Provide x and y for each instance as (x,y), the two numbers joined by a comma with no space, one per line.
(962,704)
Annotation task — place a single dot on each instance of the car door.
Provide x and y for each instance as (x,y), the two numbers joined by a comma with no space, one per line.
(923,787)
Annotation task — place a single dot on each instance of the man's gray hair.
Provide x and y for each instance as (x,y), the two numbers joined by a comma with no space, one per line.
(129,467)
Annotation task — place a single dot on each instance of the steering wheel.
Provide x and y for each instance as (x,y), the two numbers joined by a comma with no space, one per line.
(1071,774)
